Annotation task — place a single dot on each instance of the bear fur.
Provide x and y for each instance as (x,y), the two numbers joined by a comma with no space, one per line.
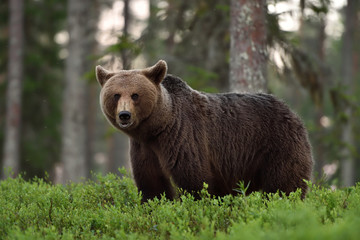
(192,137)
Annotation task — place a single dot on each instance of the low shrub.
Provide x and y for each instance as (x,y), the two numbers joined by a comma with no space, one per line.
(109,208)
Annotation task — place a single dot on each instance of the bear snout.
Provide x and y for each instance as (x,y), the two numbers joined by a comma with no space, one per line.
(124,119)
(124,116)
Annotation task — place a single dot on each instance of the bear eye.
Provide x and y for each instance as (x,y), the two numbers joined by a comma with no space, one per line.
(135,96)
(116,97)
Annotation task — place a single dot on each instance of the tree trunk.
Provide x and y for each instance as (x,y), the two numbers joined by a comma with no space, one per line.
(119,143)
(74,110)
(125,55)
(92,88)
(13,98)
(248,54)
(319,149)
(118,153)
(347,163)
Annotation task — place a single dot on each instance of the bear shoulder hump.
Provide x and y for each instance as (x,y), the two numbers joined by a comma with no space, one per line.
(175,84)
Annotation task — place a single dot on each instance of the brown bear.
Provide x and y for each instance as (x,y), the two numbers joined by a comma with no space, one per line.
(192,137)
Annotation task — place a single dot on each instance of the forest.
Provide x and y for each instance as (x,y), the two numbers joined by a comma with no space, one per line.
(65,172)
(304,52)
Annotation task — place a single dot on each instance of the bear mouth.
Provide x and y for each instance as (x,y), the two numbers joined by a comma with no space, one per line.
(125,125)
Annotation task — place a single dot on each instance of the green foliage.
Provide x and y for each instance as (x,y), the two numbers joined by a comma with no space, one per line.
(125,43)
(193,37)
(42,86)
(199,78)
(109,207)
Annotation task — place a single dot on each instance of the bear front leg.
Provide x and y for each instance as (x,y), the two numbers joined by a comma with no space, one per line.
(190,178)
(148,175)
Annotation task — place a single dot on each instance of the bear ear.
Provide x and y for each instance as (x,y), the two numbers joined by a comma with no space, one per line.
(157,72)
(102,75)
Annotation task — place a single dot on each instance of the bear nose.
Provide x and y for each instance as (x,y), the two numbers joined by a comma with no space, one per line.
(124,115)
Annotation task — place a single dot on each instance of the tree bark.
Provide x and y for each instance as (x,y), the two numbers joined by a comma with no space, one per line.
(92,89)
(14,88)
(248,53)
(348,161)
(319,149)
(74,109)
(125,55)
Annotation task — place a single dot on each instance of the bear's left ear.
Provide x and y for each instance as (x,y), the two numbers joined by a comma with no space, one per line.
(157,72)
(102,75)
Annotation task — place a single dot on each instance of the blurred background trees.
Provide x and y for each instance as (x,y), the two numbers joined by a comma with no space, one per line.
(41,86)
(349,67)
(81,28)
(12,131)
(308,57)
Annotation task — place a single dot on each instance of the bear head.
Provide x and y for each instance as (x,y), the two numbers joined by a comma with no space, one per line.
(128,97)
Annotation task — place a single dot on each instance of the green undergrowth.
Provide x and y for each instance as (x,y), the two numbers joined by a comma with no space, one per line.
(109,208)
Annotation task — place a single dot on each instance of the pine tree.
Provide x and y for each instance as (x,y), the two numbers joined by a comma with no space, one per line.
(248,54)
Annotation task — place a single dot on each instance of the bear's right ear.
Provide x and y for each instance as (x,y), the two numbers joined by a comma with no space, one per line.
(102,75)
(157,72)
